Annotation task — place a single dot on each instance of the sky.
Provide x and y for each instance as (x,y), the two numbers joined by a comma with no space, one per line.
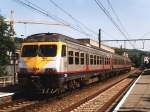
(133,14)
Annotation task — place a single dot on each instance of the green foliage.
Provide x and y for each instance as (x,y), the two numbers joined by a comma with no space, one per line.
(119,51)
(18,42)
(6,44)
(134,54)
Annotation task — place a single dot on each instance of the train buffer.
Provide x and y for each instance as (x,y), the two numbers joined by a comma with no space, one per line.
(138,96)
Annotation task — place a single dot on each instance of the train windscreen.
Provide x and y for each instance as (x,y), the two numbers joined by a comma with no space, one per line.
(29,50)
(41,50)
(48,50)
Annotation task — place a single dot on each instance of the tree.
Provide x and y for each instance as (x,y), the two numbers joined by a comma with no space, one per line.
(6,44)
(119,51)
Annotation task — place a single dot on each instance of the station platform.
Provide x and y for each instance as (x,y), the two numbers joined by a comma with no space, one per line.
(137,99)
(4,94)
(7,91)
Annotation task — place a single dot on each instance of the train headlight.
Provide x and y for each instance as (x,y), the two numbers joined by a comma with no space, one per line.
(48,70)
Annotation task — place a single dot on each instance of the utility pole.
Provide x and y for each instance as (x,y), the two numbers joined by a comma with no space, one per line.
(12,33)
(11,22)
(99,38)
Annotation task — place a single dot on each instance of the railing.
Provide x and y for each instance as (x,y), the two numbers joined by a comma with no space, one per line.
(6,80)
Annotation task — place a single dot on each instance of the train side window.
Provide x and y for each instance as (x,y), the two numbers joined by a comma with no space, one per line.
(104,60)
(63,53)
(94,59)
(70,57)
(82,58)
(98,60)
(91,59)
(108,60)
(76,57)
(117,61)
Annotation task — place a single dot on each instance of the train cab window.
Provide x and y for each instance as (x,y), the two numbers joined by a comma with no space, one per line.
(63,53)
(82,58)
(91,59)
(48,50)
(70,57)
(29,51)
(76,57)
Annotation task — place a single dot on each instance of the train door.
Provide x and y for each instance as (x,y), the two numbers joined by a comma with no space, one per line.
(111,62)
(103,58)
(64,56)
(87,62)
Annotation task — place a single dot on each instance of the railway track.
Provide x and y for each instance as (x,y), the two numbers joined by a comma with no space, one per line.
(102,99)
(99,103)
(71,102)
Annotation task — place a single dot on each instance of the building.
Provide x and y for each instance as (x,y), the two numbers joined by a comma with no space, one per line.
(89,42)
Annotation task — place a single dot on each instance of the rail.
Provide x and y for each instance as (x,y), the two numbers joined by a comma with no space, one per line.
(6,80)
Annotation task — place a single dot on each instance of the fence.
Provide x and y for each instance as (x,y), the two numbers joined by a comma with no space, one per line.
(6,80)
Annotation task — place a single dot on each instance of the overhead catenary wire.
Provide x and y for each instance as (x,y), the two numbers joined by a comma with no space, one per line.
(53,17)
(71,16)
(106,12)
(108,34)
(76,20)
(117,17)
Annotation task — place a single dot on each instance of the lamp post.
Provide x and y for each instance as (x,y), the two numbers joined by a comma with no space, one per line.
(14,58)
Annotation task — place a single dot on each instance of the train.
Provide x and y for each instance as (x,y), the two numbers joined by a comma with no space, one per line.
(52,62)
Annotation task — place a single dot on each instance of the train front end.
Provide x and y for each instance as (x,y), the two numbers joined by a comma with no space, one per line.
(39,64)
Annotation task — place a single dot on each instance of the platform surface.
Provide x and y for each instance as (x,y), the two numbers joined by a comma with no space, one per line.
(4,94)
(138,100)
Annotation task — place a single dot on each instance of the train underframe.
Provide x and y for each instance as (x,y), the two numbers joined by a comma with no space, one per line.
(58,83)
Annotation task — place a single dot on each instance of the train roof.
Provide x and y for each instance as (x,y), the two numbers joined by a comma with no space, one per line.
(55,37)
(52,37)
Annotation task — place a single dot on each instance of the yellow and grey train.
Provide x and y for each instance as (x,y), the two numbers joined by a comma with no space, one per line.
(53,62)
